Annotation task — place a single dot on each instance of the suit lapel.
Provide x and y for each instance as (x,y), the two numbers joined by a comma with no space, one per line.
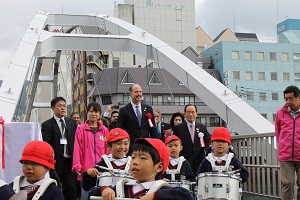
(132,112)
(144,111)
(55,126)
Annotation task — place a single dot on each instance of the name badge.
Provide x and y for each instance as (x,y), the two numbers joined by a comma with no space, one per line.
(63,141)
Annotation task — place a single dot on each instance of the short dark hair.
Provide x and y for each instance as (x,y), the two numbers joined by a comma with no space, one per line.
(130,88)
(74,113)
(190,104)
(113,112)
(292,89)
(174,116)
(55,100)
(145,147)
(96,107)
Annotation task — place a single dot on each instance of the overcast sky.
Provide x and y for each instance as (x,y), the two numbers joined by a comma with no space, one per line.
(255,16)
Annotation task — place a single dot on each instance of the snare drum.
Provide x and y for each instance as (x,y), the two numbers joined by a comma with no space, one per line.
(107,178)
(215,185)
(185,184)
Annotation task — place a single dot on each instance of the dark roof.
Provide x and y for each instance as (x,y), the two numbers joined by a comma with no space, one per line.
(109,81)
(219,35)
(246,36)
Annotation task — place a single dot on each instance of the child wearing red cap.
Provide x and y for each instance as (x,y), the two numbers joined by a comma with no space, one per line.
(150,159)
(220,159)
(117,141)
(179,168)
(37,159)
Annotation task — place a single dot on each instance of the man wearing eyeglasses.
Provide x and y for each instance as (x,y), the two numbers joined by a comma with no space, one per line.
(59,132)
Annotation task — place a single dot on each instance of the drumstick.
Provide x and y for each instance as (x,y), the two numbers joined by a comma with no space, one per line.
(113,170)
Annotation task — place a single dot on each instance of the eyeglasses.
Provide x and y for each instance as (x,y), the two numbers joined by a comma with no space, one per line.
(156,116)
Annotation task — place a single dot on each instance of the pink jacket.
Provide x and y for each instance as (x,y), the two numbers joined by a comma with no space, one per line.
(287,132)
(88,147)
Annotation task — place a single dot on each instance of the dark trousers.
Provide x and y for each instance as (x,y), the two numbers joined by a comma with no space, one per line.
(68,180)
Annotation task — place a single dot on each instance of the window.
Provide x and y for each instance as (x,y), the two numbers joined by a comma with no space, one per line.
(297,77)
(235,55)
(274,117)
(116,62)
(248,55)
(236,75)
(264,115)
(157,100)
(214,121)
(296,57)
(284,57)
(127,79)
(250,96)
(260,56)
(274,96)
(286,76)
(154,80)
(274,76)
(262,96)
(217,57)
(183,100)
(126,99)
(201,120)
(106,100)
(273,56)
(249,76)
(261,76)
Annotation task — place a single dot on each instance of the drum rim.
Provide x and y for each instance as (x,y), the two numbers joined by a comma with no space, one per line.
(218,174)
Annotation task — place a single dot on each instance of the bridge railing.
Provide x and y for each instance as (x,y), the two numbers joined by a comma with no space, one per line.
(258,153)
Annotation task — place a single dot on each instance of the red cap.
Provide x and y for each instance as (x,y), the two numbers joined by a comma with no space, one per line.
(116,134)
(161,148)
(39,152)
(171,138)
(221,133)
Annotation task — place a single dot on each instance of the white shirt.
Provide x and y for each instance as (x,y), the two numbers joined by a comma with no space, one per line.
(134,107)
(140,186)
(118,162)
(174,161)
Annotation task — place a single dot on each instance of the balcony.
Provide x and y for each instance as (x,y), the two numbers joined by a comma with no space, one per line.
(92,60)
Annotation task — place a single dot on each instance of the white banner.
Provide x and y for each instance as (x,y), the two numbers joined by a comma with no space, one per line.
(16,136)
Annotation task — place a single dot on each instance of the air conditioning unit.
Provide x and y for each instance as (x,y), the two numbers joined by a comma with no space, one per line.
(89,77)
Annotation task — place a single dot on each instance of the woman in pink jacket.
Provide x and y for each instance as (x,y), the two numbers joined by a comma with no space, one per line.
(89,144)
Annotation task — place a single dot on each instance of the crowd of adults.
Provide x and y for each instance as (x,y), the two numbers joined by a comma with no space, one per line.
(80,146)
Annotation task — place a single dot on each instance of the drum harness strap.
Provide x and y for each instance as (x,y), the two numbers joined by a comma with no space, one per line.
(39,192)
(220,168)
(107,162)
(176,171)
(110,167)
(120,187)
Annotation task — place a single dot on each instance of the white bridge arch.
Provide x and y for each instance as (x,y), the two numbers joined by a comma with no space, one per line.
(124,37)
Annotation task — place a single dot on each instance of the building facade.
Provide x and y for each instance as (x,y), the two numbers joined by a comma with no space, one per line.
(257,72)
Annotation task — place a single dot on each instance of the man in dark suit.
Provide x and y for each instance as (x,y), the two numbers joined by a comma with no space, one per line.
(132,117)
(59,132)
(189,132)
(160,126)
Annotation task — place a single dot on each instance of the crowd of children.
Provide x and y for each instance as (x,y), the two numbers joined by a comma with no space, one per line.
(148,170)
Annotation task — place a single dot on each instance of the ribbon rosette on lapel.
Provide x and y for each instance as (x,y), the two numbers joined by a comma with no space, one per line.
(201,135)
(149,117)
